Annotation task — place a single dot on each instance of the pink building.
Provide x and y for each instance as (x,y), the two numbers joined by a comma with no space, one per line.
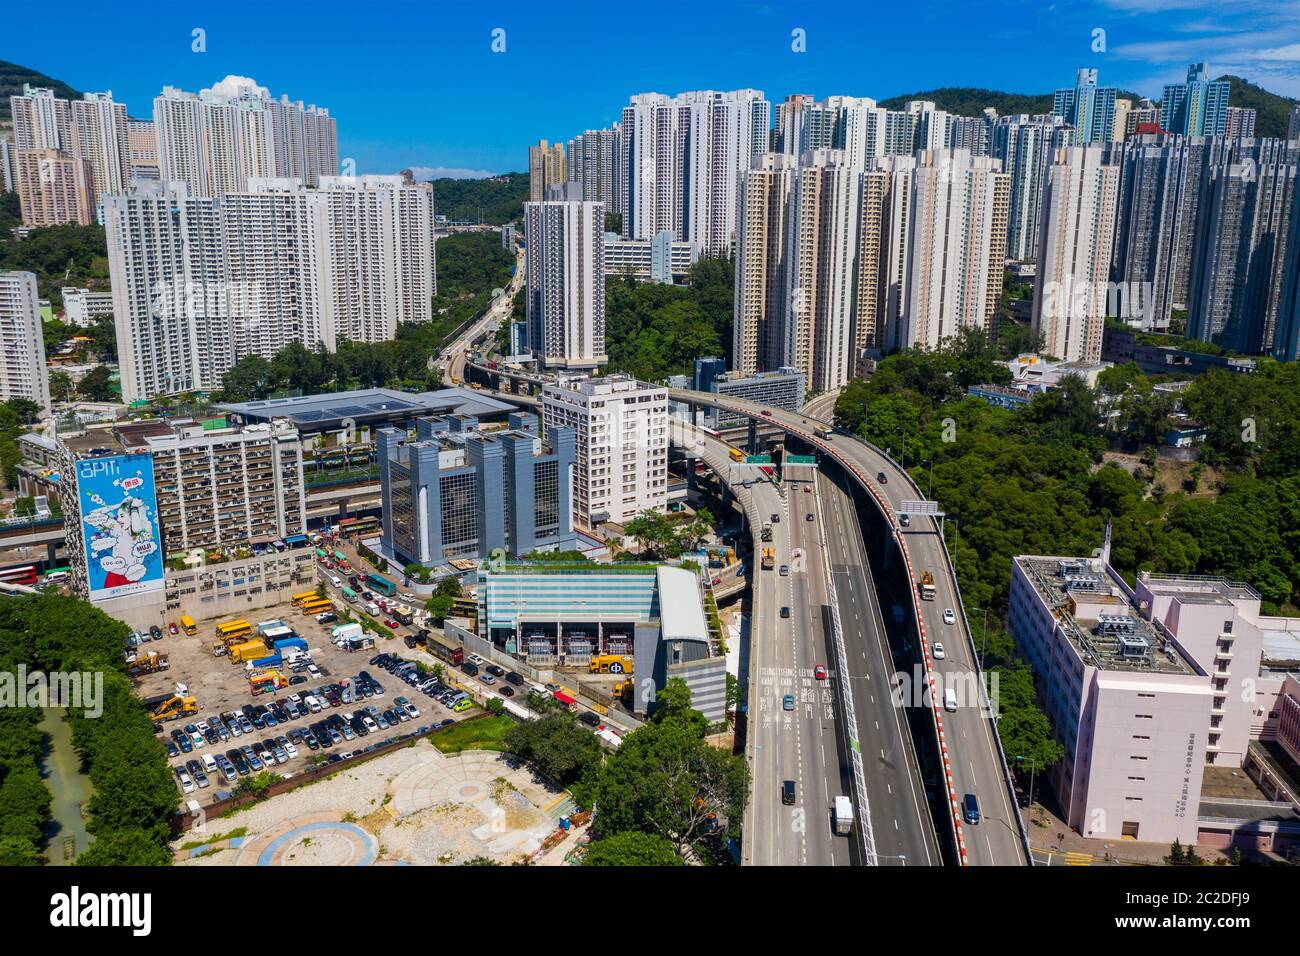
(1128,703)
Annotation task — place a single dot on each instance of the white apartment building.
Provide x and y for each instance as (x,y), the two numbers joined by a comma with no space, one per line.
(1128,703)
(622,445)
(1026,146)
(22,345)
(683,158)
(200,282)
(220,139)
(956,249)
(593,163)
(1080,205)
(92,128)
(81,307)
(758,316)
(565,288)
(821,263)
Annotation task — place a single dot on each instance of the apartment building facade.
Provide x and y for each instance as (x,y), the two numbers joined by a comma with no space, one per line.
(565,288)
(22,344)
(621,429)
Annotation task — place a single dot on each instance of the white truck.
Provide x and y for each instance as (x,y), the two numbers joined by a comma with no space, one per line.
(843,816)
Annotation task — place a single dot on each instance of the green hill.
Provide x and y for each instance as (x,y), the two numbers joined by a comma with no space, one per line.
(497,200)
(12,78)
(1271,110)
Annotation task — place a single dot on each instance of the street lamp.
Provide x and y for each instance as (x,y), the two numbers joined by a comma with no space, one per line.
(1032,767)
(984,633)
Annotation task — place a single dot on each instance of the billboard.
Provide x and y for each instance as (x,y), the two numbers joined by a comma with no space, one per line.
(119,518)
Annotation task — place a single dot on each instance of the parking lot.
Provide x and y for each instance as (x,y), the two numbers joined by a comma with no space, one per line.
(235,733)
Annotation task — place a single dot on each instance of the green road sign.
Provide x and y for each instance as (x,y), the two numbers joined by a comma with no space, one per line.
(801,459)
(758,459)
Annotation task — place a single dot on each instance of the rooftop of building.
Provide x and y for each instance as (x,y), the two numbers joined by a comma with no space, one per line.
(127,436)
(327,412)
(586,385)
(1189,586)
(1097,613)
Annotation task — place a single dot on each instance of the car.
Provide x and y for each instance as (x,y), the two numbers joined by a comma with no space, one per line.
(185,743)
(819,672)
(807,489)
(590,719)
(904,520)
(785,611)
(970,807)
(809,517)
(514,678)
(882,478)
(172,629)
(209,763)
(447,723)
(289,748)
(391,624)
(948,617)
(187,782)
(938,651)
(368,595)
(796,552)
(785,570)
(495,671)
(313,671)
(505,690)
(487,679)
(776,518)
(460,705)
(310,740)
(787,702)
(787,792)
(241,766)
(172,749)
(326,617)
(296,680)
(156,632)
(411,710)
(246,725)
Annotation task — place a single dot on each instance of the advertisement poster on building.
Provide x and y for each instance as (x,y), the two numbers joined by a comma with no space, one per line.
(119,512)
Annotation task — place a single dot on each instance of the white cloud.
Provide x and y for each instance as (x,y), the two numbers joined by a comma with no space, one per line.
(234,85)
(426,173)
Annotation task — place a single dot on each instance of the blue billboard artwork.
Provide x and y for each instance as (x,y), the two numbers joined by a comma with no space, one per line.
(119,514)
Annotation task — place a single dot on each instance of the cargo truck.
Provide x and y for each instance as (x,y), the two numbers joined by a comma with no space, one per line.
(149,663)
(610,664)
(843,816)
(249,650)
(769,559)
(927,586)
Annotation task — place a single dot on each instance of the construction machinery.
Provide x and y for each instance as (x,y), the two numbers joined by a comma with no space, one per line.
(927,586)
(150,663)
(769,559)
(172,706)
(610,664)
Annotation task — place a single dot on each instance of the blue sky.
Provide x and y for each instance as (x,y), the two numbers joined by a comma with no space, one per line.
(419,85)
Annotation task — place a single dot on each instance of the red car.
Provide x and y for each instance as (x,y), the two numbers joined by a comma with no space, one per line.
(389,622)
(173,629)
(717,581)
(820,672)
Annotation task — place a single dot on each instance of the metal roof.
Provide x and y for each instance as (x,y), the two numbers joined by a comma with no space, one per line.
(681,610)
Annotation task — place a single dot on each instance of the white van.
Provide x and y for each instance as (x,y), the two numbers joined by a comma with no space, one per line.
(336,581)
(209,764)
(949,699)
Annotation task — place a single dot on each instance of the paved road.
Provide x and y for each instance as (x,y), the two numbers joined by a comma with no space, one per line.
(902,827)
(802,744)
(970,733)
(451,360)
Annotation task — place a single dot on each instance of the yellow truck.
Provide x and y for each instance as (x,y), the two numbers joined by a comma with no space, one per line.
(248,651)
(610,664)
(769,559)
(927,586)
(172,706)
(736,454)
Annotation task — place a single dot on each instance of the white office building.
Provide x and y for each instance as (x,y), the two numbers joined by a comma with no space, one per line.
(22,345)
(622,445)
(81,307)
(565,289)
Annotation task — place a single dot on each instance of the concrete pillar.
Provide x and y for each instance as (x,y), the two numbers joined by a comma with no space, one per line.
(752,438)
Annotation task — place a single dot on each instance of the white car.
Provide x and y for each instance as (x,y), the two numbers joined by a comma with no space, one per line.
(938,651)
(948,616)
(411,710)
(296,698)
(313,670)
(797,552)
(370,723)
(187,783)
(290,748)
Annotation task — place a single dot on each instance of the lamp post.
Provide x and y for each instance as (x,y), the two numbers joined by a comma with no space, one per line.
(984,633)
(1032,767)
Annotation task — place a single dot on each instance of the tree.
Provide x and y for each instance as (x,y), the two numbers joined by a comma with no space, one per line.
(632,849)
(655,533)
(249,379)
(61,387)
(557,745)
(673,702)
(666,781)
(94,385)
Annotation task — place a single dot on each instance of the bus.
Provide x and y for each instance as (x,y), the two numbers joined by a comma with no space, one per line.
(384,586)
(322,554)
(736,454)
(349,526)
(26,574)
(188,625)
(316,606)
(235,628)
(340,557)
(350,595)
(56,575)
(300,599)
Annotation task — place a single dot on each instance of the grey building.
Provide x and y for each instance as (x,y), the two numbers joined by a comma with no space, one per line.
(784,388)
(458,492)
